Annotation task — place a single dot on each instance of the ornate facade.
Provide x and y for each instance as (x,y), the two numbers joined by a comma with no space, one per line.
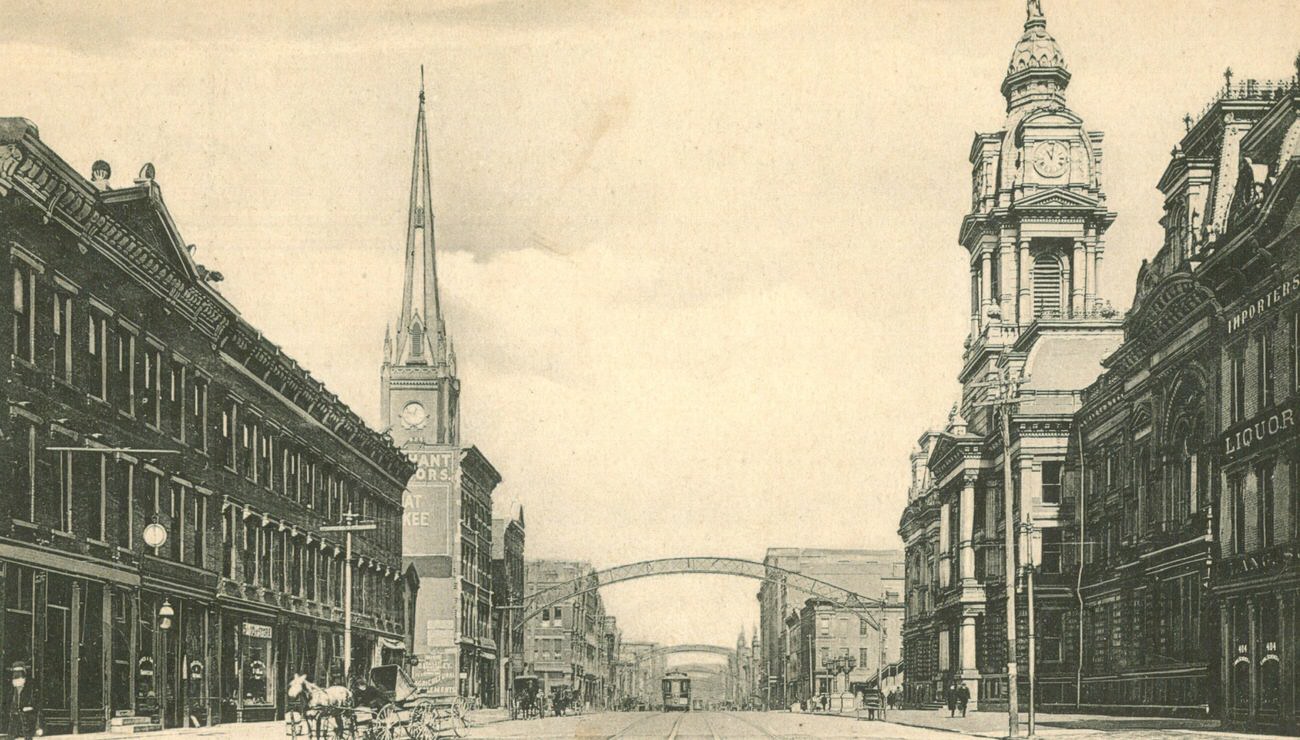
(161,552)
(1035,240)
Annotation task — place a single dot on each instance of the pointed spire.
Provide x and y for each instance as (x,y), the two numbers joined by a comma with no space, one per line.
(388,343)
(420,253)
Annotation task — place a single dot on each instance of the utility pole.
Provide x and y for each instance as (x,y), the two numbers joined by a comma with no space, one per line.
(350,524)
(880,662)
(1030,563)
(1004,397)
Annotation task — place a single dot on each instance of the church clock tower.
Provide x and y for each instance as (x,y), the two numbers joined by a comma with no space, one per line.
(421,393)
(447,505)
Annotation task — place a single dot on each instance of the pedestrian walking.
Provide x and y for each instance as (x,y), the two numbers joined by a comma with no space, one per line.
(22,711)
(963,698)
(951,700)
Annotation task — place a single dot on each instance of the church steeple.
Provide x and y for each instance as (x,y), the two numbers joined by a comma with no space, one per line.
(421,333)
(420,393)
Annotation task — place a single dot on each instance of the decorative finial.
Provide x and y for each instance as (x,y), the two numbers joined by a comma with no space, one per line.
(1033,10)
(1187,121)
(1227,78)
(421,83)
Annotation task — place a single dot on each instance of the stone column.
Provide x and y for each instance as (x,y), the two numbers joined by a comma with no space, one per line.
(945,514)
(1090,279)
(1078,276)
(986,283)
(1026,307)
(969,671)
(966,536)
(1006,263)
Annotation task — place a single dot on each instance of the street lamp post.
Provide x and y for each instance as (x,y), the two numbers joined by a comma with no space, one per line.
(350,524)
(1004,397)
(1030,546)
(165,614)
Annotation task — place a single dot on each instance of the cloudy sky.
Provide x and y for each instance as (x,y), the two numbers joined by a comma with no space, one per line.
(699,260)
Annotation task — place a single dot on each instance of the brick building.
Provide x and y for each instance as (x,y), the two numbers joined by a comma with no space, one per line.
(508,539)
(138,402)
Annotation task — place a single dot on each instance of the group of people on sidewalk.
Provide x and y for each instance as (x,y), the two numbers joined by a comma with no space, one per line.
(958,698)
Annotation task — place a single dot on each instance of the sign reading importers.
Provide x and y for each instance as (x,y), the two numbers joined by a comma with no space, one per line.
(1271,426)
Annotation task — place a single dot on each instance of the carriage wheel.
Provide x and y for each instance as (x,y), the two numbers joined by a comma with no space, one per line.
(457,718)
(424,723)
(295,725)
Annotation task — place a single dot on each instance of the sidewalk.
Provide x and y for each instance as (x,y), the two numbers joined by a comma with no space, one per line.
(994,724)
(260,730)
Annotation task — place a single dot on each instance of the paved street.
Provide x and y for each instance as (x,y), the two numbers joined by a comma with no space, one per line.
(710,725)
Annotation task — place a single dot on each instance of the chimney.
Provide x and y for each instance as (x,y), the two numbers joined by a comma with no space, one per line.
(100,171)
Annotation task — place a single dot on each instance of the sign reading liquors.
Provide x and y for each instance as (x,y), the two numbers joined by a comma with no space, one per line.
(1269,427)
(1281,293)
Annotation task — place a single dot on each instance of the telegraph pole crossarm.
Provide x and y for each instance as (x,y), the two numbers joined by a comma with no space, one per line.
(350,524)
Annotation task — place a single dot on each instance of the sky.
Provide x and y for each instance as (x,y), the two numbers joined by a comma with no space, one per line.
(699,259)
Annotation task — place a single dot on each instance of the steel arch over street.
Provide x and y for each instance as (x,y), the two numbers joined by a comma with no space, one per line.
(861,605)
(676,649)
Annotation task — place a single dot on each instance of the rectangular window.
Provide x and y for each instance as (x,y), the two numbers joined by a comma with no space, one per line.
(196,426)
(175,518)
(197,519)
(150,372)
(173,394)
(1237,381)
(1295,357)
(266,458)
(247,446)
(1264,479)
(25,467)
(24,324)
(229,434)
(1051,550)
(1237,487)
(1049,637)
(559,617)
(121,357)
(96,374)
(1052,482)
(66,491)
(1264,359)
(61,343)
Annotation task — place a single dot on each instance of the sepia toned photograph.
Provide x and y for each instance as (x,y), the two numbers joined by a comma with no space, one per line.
(679,369)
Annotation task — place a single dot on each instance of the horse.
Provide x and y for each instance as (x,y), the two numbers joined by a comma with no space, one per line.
(331,701)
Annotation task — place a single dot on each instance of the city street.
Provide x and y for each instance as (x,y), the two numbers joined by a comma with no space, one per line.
(702,725)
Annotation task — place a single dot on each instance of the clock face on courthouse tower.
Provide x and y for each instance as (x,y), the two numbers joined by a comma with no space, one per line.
(413,415)
(1051,158)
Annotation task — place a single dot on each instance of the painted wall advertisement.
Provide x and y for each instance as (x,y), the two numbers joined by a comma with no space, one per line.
(427,521)
(438,670)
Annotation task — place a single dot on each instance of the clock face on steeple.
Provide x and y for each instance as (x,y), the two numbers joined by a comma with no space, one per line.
(1051,158)
(413,415)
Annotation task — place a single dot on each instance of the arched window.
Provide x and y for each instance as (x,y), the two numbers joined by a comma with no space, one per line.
(1047,285)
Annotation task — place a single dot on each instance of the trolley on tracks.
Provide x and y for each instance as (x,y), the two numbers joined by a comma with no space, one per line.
(676,691)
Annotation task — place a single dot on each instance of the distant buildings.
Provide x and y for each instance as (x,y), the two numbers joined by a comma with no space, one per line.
(508,539)
(784,668)
(569,644)
(447,517)
(1153,456)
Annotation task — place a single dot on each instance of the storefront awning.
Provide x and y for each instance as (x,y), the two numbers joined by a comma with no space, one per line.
(72,566)
(391,644)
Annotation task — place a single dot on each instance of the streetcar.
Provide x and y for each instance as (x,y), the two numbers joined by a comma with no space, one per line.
(677,692)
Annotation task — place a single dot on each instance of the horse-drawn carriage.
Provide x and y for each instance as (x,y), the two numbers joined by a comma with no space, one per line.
(527,699)
(386,707)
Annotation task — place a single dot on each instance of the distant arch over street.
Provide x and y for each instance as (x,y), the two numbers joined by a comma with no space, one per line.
(666,650)
(818,589)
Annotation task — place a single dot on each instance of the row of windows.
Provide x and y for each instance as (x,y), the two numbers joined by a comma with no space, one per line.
(1261,509)
(1264,364)
(76,341)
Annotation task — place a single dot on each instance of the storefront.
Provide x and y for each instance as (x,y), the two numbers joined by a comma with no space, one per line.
(249,668)
(53,622)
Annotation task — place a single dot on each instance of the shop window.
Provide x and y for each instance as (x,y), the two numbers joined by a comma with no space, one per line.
(19,623)
(121,620)
(146,668)
(257,672)
(24,318)
(89,670)
(55,678)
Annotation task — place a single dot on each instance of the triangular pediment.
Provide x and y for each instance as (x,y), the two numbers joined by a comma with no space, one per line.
(141,209)
(1056,198)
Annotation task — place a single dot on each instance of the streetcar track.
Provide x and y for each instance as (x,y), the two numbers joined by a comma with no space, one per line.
(766,732)
(672,733)
(625,732)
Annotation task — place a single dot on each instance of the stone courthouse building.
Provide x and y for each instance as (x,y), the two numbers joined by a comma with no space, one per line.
(1154,456)
(138,402)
